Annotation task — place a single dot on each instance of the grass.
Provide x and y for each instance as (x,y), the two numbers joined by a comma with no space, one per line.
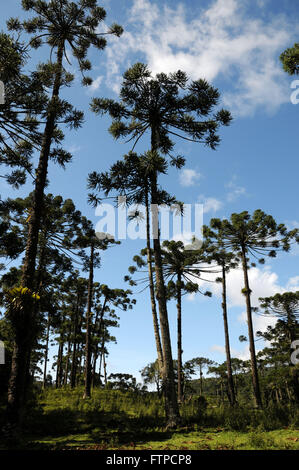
(209,439)
(112,420)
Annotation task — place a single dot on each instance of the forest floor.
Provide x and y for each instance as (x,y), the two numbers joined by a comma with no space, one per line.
(114,420)
(207,439)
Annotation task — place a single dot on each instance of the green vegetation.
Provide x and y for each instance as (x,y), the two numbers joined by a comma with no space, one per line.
(113,419)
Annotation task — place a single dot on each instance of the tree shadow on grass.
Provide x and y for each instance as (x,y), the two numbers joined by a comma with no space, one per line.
(65,428)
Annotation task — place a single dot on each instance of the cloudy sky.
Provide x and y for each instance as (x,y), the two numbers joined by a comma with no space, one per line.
(235,45)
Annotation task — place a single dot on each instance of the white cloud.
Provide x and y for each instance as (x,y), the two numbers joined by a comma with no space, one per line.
(189,177)
(210,204)
(185,237)
(260,322)
(95,84)
(235,191)
(218,348)
(293,284)
(262,3)
(263,283)
(74,148)
(243,355)
(224,41)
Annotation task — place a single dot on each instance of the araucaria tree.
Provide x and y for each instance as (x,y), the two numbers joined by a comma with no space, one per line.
(22,106)
(286,308)
(255,236)
(225,260)
(290,60)
(182,268)
(166,105)
(58,23)
(89,240)
(128,180)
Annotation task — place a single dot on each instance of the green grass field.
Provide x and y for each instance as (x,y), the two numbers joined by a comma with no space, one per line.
(182,439)
(126,421)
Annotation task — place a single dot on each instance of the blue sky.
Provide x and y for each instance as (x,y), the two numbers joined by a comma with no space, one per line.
(235,45)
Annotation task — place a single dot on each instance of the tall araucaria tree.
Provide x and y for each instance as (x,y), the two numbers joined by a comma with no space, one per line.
(90,262)
(182,268)
(166,105)
(128,180)
(286,308)
(105,302)
(59,24)
(21,109)
(255,236)
(60,225)
(198,364)
(225,260)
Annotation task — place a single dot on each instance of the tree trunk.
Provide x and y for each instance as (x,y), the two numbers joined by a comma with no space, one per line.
(105,369)
(221,390)
(67,361)
(254,371)
(74,353)
(80,368)
(230,381)
(288,392)
(24,329)
(88,317)
(171,404)
(277,396)
(179,336)
(152,288)
(59,364)
(100,369)
(293,369)
(46,352)
(96,349)
(93,369)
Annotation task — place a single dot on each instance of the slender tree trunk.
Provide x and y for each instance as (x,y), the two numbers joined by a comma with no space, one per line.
(94,364)
(254,371)
(100,369)
(103,361)
(74,353)
(46,352)
(221,390)
(230,381)
(59,364)
(179,336)
(171,404)
(67,361)
(88,326)
(236,385)
(288,392)
(80,368)
(105,369)
(200,375)
(152,287)
(25,327)
(277,396)
(96,349)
